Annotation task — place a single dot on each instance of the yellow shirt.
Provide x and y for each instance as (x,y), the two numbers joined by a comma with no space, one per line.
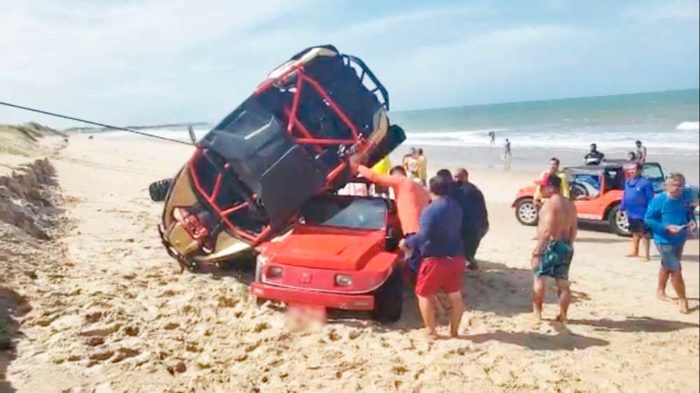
(564,189)
(423,168)
(382,167)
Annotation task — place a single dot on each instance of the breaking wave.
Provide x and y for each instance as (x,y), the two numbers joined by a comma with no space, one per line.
(688,126)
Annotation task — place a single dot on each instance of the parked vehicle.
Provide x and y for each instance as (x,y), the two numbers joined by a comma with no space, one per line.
(596,191)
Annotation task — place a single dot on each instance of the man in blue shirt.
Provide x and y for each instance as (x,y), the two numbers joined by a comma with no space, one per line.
(638,193)
(440,243)
(670,218)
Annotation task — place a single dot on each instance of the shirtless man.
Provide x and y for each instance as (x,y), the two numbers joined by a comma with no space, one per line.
(552,255)
(411,198)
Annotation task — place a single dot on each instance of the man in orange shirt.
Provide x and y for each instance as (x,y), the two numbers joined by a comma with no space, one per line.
(410,197)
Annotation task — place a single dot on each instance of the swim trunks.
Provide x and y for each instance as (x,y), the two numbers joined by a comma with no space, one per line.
(444,273)
(670,256)
(555,260)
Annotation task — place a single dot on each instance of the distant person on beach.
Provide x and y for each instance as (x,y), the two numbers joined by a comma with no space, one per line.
(410,164)
(556,232)
(422,167)
(670,218)
(594,157)
(475,216)
(507,155)
(442,267)
(638,194)
(411,198)
(641,152)
(553,169)
(492,136)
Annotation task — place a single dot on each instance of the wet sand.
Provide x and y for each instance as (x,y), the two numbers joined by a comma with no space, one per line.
(110,312)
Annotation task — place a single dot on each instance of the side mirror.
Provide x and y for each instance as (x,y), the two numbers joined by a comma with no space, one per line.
(193,137)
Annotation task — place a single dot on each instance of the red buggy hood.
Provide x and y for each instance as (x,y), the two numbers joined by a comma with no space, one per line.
(336,251)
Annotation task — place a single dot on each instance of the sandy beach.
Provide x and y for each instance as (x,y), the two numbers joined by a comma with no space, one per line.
(104,308)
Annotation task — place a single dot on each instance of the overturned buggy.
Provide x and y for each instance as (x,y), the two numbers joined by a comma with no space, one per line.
(290,140)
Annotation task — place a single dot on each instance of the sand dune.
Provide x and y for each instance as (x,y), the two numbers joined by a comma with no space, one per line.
(111,313)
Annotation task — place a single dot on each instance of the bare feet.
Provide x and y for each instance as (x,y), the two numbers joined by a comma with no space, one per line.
(662,296)
(561,318)
(537,314)
(431,334)
(632,255)
(647,258)
(684,305)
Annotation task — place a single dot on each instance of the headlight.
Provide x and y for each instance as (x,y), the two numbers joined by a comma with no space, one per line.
(343,280)
(274,272)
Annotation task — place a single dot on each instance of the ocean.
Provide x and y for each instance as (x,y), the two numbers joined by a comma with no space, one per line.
(661,120)
(666,122)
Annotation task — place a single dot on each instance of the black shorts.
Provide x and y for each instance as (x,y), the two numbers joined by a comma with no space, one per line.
(637,226)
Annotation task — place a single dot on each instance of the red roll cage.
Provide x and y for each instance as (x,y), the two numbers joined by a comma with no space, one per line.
(299,134)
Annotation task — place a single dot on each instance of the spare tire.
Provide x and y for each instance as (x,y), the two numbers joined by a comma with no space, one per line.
(159,190)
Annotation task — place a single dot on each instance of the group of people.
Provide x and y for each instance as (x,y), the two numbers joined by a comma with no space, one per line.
(442,227)
(595,156)
(416,165)
(668,218)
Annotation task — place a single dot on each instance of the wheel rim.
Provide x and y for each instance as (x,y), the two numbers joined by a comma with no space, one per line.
(527,212)
(621,221)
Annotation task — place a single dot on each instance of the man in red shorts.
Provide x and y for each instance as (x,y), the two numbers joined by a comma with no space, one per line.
(440,242)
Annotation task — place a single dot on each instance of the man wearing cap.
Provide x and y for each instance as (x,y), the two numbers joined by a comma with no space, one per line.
(556,232)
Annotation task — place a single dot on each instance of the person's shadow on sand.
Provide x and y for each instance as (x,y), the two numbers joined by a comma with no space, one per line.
(634,324)
(506,291)
(564,341)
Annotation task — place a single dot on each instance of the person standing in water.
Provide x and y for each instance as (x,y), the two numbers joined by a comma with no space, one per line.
(638,193)
(556,232)
(492,135)
(640,152)
(670,218)
(507,155)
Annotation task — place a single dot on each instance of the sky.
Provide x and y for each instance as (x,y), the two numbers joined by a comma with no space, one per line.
(149,62)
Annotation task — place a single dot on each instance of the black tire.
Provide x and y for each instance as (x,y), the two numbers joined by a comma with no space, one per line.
(388,299)
(159,190)
(617,221)
(526,212)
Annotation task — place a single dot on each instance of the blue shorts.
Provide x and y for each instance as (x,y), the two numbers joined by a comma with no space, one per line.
(670,256)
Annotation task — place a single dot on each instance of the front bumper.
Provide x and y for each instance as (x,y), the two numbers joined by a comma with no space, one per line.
(363,302)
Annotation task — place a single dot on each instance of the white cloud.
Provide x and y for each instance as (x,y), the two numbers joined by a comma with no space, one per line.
(161,61)
(664,11)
